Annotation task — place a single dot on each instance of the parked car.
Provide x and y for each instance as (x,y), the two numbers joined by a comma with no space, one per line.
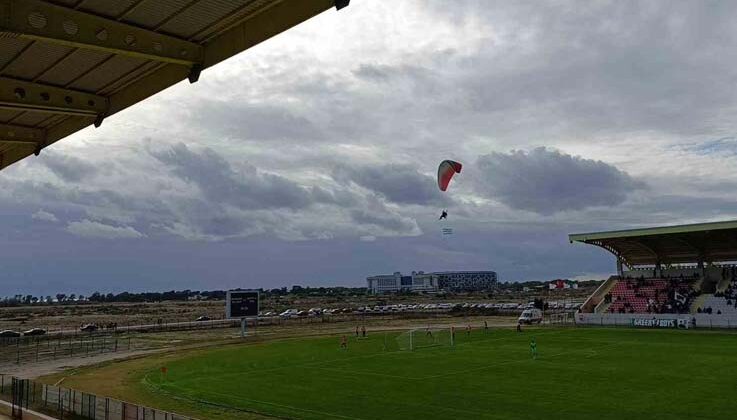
(34,331)
(88,328)
(203,318)
(9,334)
(289,313)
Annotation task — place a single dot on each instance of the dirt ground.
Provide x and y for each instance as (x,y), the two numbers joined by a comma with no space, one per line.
(71,316)
(176,342)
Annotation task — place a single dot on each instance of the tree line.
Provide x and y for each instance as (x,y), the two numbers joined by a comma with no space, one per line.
(172,295)
(185,295)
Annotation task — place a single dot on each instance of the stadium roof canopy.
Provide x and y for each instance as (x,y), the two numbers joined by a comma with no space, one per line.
(67,64)
(683,244)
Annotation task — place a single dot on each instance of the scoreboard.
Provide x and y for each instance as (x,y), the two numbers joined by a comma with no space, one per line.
(241,304)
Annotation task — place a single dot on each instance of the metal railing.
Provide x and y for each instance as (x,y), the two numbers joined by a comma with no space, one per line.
(45,348)
(69,403)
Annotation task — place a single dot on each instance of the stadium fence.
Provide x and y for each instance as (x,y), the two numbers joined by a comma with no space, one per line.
(41,348)
(69,403)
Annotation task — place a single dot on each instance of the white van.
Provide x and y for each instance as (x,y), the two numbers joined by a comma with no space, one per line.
(531,316)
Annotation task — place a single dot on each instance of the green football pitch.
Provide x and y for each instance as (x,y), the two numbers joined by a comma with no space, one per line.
(580,373)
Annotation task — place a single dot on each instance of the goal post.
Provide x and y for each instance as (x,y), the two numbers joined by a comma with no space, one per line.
(418,338)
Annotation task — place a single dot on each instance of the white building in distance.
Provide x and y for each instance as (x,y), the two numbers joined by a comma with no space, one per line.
(419,281)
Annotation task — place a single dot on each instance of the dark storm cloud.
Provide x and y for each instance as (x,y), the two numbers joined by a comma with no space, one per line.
(547,181)
(221,183)
(607,66)
(339,197)
(384,220)
(399,183)
(373,72)
(384,73)
(268,120)
(196,194)
(84,198)
(69,168)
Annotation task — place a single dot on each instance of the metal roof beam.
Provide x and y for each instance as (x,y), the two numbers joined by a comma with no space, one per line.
(657,231)
(684,241)
(649,247)
(18,134)
(20,95)
(39,20)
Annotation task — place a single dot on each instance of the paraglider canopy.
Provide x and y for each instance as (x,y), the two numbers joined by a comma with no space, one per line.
(446,170)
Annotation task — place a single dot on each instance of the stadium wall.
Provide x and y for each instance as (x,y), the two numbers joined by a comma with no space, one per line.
(634,320)
(658,320)
(715,321)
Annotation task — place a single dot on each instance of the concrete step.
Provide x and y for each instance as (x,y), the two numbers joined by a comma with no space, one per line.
(698,283)
(723,284)
(603,307)
(699,302)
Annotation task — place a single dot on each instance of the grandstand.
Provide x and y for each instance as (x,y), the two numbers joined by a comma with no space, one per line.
(670,276)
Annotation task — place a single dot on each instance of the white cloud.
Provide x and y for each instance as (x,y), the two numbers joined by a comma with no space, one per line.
(90,229)
(44,216)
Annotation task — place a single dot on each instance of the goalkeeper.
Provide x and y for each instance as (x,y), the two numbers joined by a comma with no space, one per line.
(533,348)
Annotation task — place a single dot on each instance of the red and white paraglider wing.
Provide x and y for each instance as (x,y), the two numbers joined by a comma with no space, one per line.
(446,170)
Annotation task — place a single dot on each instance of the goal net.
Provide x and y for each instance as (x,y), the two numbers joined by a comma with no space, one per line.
(419,338)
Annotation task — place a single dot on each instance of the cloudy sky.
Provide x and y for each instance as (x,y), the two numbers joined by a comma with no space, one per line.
(310,159)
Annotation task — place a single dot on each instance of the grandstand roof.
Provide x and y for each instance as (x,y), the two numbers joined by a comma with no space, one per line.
(67,64)
(681,244)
